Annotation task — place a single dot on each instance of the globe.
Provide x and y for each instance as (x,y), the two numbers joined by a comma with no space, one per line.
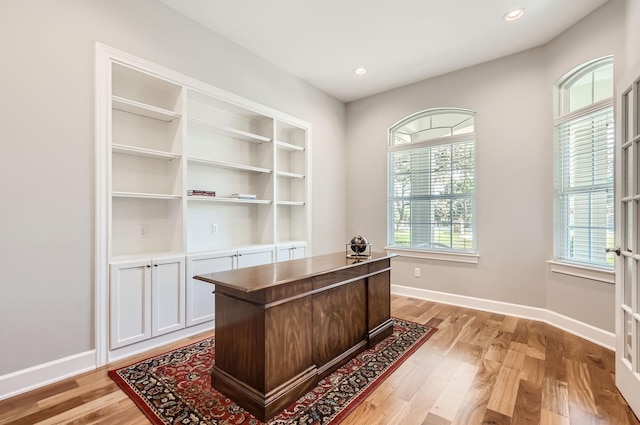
(358,244)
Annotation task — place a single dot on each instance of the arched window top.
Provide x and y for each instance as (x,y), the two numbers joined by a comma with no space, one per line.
(432,124)
(586,85)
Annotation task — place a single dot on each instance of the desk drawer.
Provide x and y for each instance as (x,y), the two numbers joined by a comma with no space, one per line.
(340,276)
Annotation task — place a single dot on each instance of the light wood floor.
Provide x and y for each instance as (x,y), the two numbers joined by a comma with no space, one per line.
(479,368)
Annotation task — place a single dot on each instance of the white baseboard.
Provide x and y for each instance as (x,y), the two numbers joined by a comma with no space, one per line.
(583,330)
(159,341)
(24,380)
(34,377)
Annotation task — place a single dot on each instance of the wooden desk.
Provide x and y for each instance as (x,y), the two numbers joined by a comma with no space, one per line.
(282,327)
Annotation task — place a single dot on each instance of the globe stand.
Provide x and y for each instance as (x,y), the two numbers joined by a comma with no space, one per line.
(358,252)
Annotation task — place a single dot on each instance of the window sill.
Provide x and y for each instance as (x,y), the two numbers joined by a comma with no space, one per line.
(592,273)
(456,257)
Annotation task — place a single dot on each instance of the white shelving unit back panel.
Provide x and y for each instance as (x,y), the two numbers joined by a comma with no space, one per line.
(291,134)
(207,109)
(291,223)
(291,189)
(143,226)
(289,161)
(236,225)
(143,87)
(133,173)
(225,147)
(144,132)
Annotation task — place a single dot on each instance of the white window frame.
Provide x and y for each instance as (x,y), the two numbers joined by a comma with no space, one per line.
(436,253)
(562,261)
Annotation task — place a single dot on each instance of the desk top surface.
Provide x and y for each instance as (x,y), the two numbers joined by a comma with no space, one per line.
(257,278)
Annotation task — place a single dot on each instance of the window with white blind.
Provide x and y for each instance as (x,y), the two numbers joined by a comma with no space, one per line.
(583,208)
(431,182)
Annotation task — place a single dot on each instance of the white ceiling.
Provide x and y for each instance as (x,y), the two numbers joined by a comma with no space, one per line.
(398,42)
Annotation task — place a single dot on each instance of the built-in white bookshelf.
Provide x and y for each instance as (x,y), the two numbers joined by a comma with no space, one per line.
(160,136)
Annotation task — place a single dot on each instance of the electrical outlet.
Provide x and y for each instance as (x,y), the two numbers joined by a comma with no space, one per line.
(143,231)
(214,229)
(416,272)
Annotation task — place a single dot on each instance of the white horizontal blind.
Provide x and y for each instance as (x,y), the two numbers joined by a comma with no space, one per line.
(431,196)
(584,207)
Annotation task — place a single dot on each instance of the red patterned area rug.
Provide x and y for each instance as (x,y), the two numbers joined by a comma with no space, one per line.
(175,388)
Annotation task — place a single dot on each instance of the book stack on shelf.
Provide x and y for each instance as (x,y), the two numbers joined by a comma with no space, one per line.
(243,196)
(198,192)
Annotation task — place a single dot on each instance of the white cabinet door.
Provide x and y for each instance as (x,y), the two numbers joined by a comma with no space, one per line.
(200,296)
(291,252)
(255,257)
(130,303)
(167,289)
(298,251)
(283,253)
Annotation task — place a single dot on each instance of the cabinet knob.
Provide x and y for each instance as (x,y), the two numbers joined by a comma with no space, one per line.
(155,265)
(148,266)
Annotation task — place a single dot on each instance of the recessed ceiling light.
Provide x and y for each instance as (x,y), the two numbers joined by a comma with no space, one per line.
(359,71)
(514,15)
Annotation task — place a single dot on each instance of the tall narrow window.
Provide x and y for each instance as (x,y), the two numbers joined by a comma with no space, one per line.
(583,209)
(431,181)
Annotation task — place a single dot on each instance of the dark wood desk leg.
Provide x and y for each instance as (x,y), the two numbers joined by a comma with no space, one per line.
(380,324)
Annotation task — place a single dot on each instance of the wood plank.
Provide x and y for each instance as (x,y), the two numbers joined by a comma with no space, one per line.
(521,333)
(497,351)
(433,419)
(509,324)
(427,395)
(527,408)
(451,398)
(515,356)
(579,416)
(411,372)
(420,369)
(503,398)
(536,346)
(391,409)
(579,385)
(550,418)
(555,397)
(533,370)
(495,418)
(366,413)
(474,405)
(83,410)
(554,355)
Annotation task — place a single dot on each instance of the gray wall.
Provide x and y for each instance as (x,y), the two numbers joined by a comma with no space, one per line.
(632,15)
(514,125)
(47,151)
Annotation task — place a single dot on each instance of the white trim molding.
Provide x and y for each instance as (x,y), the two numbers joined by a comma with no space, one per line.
(583,330)
(34,377)
(456,257)
(592,273)
(40,375)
